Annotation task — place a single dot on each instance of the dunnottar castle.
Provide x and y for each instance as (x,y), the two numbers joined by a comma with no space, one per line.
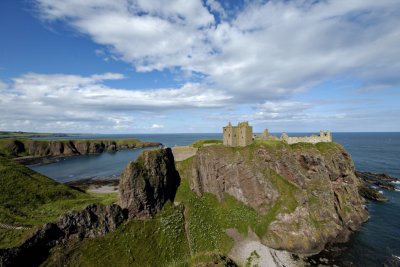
(242,135)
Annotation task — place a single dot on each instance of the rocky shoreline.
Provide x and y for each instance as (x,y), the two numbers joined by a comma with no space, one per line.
(371,182)
(32,152)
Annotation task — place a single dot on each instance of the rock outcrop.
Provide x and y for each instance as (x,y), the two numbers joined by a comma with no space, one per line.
(309,193)
(368,192)
(147,183)
(93,221)
(33,151)
(380,180)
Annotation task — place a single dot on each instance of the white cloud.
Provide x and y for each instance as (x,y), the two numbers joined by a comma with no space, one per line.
(254,62)
(156,126)
(79,101)
(268,51)
(2,85)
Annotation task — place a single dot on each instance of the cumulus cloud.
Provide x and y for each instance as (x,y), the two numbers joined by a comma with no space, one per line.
(61,99)
(268,50)
(253,60)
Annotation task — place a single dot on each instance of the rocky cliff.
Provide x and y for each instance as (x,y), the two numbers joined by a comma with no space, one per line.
(94,221)
(147,183)
(56,148)
(307,193)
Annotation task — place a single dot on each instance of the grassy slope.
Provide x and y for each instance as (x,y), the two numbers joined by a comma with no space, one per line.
(31,199)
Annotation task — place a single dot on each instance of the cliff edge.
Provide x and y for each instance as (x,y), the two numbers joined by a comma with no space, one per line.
(306,194)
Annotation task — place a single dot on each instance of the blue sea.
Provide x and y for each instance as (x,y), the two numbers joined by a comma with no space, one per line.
(377,240)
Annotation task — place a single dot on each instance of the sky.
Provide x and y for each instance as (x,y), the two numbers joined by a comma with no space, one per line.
(187,66)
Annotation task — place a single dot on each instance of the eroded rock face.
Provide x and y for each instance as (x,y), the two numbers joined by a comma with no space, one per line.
(93,221)
(73,147)
(147,183)
(317,191)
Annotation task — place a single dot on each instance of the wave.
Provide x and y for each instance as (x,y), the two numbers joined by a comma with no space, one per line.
(396,182)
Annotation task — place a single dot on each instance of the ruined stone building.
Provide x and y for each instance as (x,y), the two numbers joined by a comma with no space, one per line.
(324,136)
(240,135)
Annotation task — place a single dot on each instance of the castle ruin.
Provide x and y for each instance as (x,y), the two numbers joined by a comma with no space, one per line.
(324,136)
(240,135)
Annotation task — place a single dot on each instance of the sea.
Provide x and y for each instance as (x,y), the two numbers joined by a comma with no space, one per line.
(376,241)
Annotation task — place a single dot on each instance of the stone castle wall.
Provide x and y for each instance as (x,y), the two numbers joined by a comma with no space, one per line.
(241,135)
(313,139)
(183,152)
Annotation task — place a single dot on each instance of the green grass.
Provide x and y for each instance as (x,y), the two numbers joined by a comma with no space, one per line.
(30,199)
(4,134)
(201,143)
(325,148)
(154,242)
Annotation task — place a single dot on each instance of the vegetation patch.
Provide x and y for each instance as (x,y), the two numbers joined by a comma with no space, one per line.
(156,242)
(252,259)
(325,147)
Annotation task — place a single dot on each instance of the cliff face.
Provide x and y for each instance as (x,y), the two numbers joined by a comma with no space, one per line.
(147,183)
(308,193)
(70,147)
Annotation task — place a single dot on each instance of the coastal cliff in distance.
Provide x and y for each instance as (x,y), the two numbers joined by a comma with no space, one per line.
(305,195)
(28,149)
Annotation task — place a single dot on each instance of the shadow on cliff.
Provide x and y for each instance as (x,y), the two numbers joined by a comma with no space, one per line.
(148,183)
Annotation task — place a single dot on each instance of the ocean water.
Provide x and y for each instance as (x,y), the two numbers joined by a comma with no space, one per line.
(377,240)
(108,164)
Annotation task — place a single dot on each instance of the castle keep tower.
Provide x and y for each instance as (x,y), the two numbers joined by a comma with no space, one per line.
(241,135)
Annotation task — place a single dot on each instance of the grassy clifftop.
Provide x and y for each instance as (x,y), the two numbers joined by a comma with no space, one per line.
(30,199)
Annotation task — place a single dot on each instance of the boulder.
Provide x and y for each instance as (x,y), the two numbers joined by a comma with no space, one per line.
(147,183)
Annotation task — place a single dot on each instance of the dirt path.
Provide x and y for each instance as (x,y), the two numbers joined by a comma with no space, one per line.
(103,189)
(13,227)
(185,217)
(249,250)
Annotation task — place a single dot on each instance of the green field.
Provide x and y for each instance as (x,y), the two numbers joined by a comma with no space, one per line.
(6,134)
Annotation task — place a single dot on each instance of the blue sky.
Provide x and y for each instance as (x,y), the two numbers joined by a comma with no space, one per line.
(139,66)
